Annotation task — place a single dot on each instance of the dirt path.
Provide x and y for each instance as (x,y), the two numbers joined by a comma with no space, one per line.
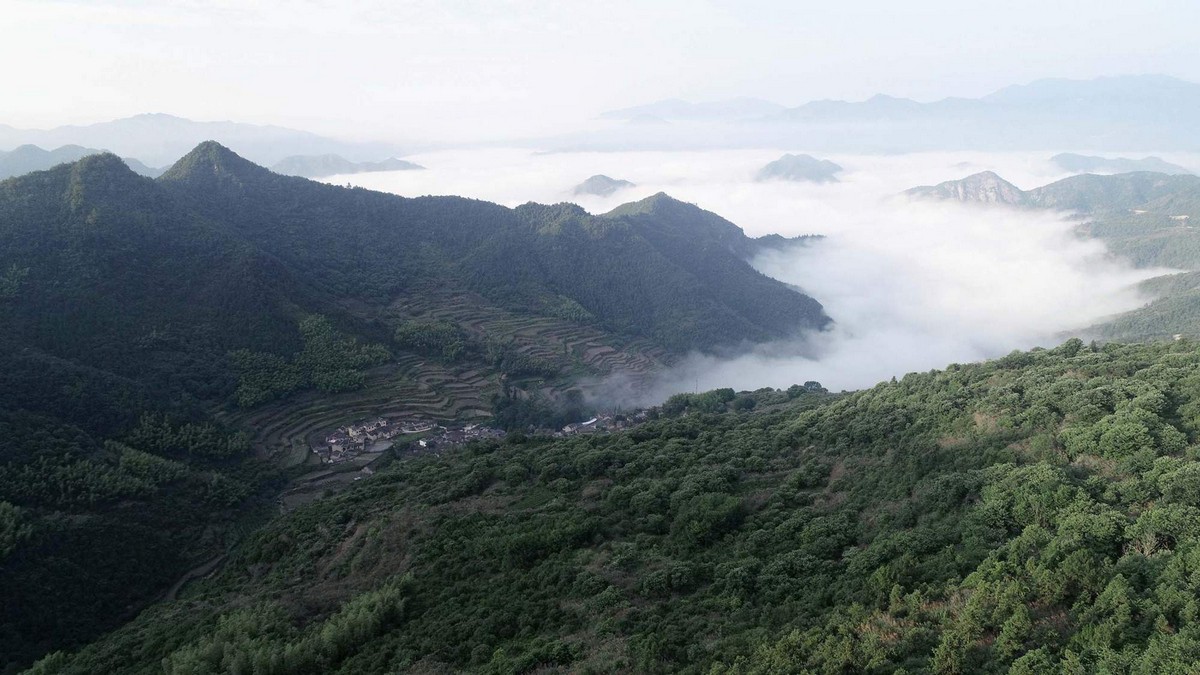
(201,571)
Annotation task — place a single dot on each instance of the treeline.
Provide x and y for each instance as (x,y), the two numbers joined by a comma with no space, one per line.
(451,343)
(92,527)
(329,361)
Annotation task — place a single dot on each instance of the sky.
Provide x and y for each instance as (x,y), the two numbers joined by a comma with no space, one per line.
(474,70)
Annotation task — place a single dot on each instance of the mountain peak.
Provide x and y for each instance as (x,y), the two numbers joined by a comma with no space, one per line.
(211,164)
(985,187)
(655,203)
(800,168)
(601,185)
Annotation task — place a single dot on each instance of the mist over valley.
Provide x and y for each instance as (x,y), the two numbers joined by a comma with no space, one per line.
(511,338)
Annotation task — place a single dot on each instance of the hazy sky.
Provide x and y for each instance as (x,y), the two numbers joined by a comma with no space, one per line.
(458,69)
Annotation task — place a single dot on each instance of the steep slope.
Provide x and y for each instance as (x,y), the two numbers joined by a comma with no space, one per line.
(124,266)
(118,310)
(1033,514)
(135,313)
(1175,311)
(693,267)
(518,259)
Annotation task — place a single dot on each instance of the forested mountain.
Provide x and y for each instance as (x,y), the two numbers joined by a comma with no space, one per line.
(1144,216)
(1034,514)
(27,158)
(373,246)
(319,166)
(133,312)
(1147,218)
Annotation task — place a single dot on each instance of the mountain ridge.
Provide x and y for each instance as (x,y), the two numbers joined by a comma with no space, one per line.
(1124,113)
(322,166)
(160,139)
(27,158)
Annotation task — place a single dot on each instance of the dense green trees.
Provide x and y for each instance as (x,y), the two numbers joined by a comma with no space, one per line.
(134,311)
(1033,514)
(90,527)
(329,361)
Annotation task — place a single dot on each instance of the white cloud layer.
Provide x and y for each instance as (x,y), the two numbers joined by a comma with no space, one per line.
(911,285)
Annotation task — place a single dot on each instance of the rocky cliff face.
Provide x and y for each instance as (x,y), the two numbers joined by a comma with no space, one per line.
(984,188)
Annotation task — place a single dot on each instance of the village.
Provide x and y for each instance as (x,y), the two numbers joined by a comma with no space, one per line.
(349,442)
(352,440)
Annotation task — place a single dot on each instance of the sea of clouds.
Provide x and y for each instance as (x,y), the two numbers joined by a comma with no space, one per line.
(911,285)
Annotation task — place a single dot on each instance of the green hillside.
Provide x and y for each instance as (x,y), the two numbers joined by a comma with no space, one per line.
(164,343)
(1038,513)
(375,247)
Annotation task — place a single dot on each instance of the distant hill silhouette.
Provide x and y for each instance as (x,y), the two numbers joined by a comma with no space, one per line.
(320,166)
(1089,164)
(27,158)
(800,168)
(159,139)
(602,186)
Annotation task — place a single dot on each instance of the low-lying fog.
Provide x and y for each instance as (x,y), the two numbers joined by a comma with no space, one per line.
(911,285)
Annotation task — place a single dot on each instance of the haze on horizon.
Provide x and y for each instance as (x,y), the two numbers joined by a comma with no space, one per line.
(458,71)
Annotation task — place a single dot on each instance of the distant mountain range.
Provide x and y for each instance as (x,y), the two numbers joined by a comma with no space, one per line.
(1088,164)
(601,186)
(800,168)
(26,158)
(160,139)
(1134,112)
(1140,193)
(677,109)
(320,166)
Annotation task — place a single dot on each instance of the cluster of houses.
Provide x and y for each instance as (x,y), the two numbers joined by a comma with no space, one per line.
(352,440)
(604,422)
(449,438)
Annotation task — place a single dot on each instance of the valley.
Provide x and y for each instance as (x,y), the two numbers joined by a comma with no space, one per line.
(530,338)
(367,382)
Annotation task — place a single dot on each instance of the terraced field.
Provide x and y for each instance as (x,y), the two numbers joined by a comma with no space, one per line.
(408,388)
(417,387)
(556,340)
